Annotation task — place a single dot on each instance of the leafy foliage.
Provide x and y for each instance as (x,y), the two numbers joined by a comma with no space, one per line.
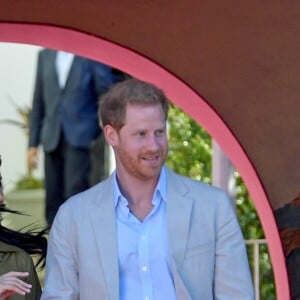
(189,147)
(23,113)
(28,182)
(190,154)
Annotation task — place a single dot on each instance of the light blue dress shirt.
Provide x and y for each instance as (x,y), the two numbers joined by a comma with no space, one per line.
(144,267)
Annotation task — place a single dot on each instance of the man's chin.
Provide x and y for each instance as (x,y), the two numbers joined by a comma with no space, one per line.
(153,173)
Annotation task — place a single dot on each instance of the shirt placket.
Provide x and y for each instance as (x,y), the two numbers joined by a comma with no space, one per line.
(144,262)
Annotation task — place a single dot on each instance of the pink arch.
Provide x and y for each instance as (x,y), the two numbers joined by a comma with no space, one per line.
(145,69)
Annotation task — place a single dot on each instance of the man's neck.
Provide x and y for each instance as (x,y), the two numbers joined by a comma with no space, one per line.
(139,194)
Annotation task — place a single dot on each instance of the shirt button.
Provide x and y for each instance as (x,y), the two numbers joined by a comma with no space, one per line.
(145,269)
(146,298)
(143,237)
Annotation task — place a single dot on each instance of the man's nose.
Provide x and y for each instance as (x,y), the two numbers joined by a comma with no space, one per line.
(153,143)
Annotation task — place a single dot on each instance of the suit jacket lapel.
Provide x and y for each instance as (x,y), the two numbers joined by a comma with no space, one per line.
(50,65)
(179,209)
(104,228)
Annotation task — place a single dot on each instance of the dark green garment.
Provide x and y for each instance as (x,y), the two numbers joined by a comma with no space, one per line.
(16,259)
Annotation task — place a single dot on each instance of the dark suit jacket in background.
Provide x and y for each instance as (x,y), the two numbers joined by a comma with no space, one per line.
(71,110)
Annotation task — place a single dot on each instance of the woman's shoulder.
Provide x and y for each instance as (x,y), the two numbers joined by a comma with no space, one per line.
(5,247)
(15,256)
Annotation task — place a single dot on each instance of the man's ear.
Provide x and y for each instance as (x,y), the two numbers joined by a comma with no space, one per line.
(111,135)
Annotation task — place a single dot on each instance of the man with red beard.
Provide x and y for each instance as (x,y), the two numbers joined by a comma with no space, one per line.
(145,232)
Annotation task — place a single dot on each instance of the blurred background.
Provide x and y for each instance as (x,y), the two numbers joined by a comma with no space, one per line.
(18,65)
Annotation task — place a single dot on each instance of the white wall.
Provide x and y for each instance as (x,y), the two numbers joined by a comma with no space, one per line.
(17,75)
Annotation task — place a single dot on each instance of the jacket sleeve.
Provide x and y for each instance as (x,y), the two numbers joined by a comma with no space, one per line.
(103,78)
(33,279)
(232,272)
(61,280)
(21,261)
(37,111)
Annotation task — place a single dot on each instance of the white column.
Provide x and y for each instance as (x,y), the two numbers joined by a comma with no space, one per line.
(223,171)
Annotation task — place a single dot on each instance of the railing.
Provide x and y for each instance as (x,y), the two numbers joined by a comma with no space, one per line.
(256,272)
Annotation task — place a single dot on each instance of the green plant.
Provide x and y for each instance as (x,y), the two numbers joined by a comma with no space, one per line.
(24,114)
(27,182)
(189,147)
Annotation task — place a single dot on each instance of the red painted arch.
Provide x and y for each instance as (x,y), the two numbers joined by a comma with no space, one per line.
(182,95)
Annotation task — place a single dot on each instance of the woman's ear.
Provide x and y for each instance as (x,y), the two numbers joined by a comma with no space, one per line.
(111,135)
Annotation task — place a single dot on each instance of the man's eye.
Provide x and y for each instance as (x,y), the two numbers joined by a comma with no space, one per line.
(159,132)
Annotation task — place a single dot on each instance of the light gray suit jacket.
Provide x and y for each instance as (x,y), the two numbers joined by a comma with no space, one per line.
(206,245)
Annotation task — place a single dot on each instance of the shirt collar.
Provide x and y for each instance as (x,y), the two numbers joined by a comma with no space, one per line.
(161,187)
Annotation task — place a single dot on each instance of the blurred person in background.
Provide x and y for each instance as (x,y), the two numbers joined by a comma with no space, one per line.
(64,121)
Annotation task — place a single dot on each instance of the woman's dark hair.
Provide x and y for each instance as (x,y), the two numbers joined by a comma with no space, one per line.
(32,241)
